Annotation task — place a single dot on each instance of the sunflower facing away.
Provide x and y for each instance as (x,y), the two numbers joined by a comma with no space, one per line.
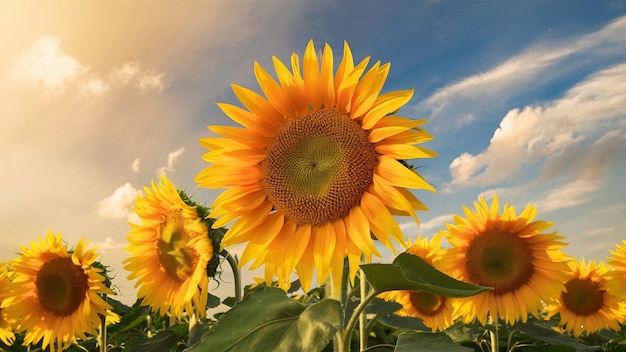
(169,251)
(586,305)
(6,326)
(435,311)
(508,253)
(55,294)
(315,167)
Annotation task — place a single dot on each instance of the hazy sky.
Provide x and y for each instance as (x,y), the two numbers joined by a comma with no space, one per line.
(526,100)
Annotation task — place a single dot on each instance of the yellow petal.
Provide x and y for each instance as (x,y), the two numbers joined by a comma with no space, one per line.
(391,125)
(312,81)
(324,236)
(386,104)
(348,85)
(247,137)
(273,91)
(248,119)
(391,196)
(346,65)
(359,231)
(399,175)
(258,105)
(306,263)
(218,176)
(378,215)
(367,90)
(327,85)
(404,151)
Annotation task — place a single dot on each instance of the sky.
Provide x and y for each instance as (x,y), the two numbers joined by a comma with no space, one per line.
(526,100)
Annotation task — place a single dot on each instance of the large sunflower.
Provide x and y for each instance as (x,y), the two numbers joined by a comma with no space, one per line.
(6,325)
(169,251)
(585,305)
(316,167)
(508,253)
(55,293)
(435,311)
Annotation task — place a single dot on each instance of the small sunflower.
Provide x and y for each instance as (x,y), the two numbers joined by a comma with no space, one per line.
(585,305)
(170,251)
(315,168)
(435,311)
(617,261)
(55,294)
(6,325)
(509,253)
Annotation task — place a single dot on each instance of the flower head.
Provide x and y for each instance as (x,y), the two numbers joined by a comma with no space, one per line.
(315,168)
(435,311)
(55,294)
(509,253)
(170,251)
(585,305)
(617,260)
(6,325)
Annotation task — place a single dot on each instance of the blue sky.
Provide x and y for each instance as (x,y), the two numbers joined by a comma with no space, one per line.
(527,100)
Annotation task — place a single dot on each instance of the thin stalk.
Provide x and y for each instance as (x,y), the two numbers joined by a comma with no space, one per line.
(234,265)
(362,317)
(103,330)
(495,340)
(354,318)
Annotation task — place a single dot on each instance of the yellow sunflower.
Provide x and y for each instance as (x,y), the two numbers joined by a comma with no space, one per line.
(169,251)
(6,325)
(55,294)
(585,305)
(509,253)
(315,167)
(435,311)
(617,260)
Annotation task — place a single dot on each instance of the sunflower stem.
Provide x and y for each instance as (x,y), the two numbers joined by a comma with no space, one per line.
(234,265)
(354,318)
(495,340)
(103,330)
(362,317)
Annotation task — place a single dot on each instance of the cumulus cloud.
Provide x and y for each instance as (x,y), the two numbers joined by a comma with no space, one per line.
(568,195)
(118,205)
(109,245)
(133,73)
(135,165)
(152,81)
(556,131)
(171,160)
(46,65)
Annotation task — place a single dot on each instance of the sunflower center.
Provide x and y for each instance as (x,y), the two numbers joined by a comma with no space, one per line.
(583,296)
(426,303)
(61,286)
(499,259)
(318,166)
(177,259)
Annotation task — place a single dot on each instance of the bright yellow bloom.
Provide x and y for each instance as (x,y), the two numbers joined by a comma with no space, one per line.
(617,260)
(315,168)
(169,251)
(55,294)
(509,253)
(6,325)
(435,311)
(586,305)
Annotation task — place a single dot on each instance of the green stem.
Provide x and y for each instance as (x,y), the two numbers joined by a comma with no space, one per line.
(103,331)
(495,341)
(234,265)
(354,318)
(362,317)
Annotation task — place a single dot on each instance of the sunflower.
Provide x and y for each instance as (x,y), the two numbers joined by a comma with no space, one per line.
(435,311)
(55,293)
(6,325)
(315,168)
(617,260)
(585,305)
(170,251)
(508,253)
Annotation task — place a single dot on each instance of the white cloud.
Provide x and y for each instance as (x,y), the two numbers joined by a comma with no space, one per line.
(528,69)
(118,205)
(109,245)
(135,165)
(554,131)
(569,195)
(152,81)
(95,87)
(126,72)
(171,160)
(46,65)
(436,222)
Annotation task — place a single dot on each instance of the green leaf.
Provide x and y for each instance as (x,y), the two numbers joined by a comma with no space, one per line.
(410,272)
(166,340)
(268,320)
(428,342)
(380,306)
(399,322)
(546,334)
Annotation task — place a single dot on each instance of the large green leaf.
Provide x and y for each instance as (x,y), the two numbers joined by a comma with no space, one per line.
(545,333)
(428,342)
(268,320)
(410,272)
